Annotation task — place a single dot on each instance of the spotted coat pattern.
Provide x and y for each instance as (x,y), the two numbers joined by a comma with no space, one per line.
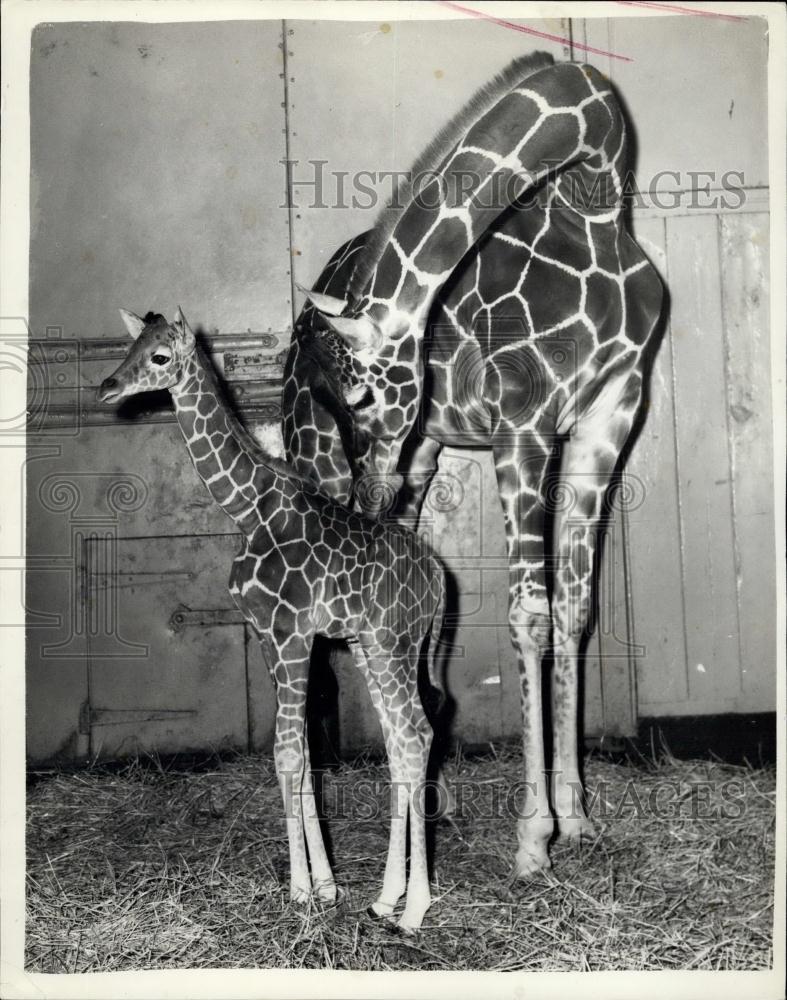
(526,328)
(308,566)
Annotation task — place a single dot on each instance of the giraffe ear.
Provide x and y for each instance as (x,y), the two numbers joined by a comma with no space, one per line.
(134,324)
(330,305)
(359,333)
(183,330)
(354,395)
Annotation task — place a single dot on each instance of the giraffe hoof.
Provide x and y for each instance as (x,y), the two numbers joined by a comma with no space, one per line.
(530,862)
(327,893)
(300,896)
(384,921)
(406,931)
(392,927)
(576,829)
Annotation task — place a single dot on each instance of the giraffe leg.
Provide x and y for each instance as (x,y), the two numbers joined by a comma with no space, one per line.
(520,468)
(588,460)
(393,685)
(323,884)
(395,874)
(290,754)
(418,741)
(395,877)
(419,464)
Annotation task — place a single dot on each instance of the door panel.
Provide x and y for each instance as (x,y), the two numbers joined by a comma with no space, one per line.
(184,685)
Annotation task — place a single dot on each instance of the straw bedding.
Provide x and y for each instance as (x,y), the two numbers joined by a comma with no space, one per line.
(148,866)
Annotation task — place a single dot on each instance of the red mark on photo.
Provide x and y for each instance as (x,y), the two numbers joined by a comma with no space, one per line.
(675,9)
(531,31)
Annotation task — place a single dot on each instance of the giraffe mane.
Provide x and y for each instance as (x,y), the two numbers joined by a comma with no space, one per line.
(483,100)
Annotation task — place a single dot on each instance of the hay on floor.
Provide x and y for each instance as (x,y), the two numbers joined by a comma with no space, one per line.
(147,867)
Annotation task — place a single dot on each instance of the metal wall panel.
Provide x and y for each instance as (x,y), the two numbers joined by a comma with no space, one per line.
(100,482)
(166,651)
(56,684)
(155,175)
(156,180)
(369,96)
(695,90)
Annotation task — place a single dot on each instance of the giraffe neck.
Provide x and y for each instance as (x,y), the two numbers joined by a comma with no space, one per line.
(225,455)
(563,117)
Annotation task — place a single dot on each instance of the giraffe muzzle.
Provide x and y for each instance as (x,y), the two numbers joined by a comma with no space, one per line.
(109,390)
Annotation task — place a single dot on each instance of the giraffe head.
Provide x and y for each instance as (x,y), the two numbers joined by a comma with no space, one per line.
(371,360)
(156,359)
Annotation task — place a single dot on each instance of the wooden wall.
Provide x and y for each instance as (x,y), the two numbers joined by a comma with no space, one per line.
(157,180)
(701,544)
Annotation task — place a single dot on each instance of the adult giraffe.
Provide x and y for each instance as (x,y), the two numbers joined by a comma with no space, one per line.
(540,313)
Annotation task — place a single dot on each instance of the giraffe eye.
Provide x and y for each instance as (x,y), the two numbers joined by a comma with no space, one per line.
(161,359)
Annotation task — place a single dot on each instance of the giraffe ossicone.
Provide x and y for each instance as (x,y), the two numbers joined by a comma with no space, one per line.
(309,566)
(359,333)
(329,305)
(530,320)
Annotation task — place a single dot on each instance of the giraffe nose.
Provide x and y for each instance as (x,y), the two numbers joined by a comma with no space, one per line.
(108,390)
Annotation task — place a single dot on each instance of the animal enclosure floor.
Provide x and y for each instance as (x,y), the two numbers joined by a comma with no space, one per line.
(147,867)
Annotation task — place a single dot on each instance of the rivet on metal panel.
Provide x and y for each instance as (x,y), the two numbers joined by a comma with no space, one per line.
(177,619)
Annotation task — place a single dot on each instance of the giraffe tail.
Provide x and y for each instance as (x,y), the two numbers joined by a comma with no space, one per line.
(445,800)
(435,637)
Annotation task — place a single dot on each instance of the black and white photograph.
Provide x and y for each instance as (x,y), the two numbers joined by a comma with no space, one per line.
(393,495)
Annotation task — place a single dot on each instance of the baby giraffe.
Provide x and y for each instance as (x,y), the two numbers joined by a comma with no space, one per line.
(308,567)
